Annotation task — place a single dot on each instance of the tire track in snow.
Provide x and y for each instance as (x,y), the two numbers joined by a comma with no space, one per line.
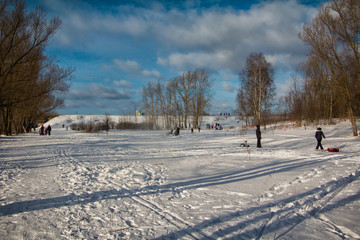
(76,172)
(308,206)
(172,218)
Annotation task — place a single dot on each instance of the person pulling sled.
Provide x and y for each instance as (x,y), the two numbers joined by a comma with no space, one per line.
(319,135)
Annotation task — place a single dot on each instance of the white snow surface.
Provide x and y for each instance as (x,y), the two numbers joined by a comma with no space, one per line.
(149,185)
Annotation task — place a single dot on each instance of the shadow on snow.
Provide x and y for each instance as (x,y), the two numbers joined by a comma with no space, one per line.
(269,221)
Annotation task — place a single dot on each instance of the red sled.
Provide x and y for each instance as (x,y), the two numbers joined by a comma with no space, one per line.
(333,149)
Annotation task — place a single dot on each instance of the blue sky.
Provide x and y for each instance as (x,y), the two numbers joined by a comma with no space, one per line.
(116,47)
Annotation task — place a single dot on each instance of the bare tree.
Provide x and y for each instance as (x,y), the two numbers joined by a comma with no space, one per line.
(202,95)
(333,36)
(149,102)
(179,98)
(257,85)
(30,82)
(243,109)
(184,86)
(295,101)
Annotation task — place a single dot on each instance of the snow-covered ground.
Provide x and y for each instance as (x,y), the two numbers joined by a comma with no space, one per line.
(147,185)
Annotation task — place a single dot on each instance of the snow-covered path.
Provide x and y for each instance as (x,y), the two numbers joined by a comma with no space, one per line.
(146,185)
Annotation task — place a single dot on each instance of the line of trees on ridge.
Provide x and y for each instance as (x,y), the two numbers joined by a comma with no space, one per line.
(181,101)
(331,74)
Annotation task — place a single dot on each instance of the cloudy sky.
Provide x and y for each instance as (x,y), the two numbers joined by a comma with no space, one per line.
(117,46)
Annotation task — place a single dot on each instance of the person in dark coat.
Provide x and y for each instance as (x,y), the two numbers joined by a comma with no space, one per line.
(258,136)
(177,131)
(319,135)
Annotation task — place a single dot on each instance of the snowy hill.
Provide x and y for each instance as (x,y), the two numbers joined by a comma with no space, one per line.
(77,119)
(147,185)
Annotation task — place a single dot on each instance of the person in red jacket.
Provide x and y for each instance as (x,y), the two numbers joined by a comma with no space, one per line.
(42,128)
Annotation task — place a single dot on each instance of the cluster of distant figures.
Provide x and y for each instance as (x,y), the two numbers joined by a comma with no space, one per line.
(216,126)
(225,114)
(175,131)
(45,131)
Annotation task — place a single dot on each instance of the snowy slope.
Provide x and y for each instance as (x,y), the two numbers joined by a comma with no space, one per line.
(147,185)
(77,119)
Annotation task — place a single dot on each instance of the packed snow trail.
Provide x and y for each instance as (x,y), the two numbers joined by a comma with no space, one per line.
(146,185)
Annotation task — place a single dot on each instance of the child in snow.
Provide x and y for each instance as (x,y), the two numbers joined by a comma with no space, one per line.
(319,135)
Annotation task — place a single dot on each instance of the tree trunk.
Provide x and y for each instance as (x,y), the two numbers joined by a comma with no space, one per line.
(353,121)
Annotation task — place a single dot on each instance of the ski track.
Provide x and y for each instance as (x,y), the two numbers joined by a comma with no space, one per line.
(79,174)
(97,186)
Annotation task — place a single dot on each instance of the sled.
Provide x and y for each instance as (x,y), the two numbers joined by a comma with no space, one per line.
(333,149)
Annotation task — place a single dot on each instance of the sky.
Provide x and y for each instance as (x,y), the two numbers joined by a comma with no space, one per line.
(116,47)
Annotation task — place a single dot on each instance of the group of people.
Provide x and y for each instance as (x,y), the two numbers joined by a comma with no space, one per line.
(225,114)
(175,131)
(192,129)
(319,135)
(217,126)
(45,131)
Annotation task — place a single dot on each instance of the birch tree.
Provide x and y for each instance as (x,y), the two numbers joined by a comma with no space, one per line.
(257,85)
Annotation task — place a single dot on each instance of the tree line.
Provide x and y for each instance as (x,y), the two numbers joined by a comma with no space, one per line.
(31,83)
(331,74)
(327,84)
(181,101)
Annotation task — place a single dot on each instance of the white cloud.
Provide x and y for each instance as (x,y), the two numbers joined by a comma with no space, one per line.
(134,68)
(151,74)
(210,60)
(122,83)
(283,88)
(210,38)
(97,91)
(224,38)
(228,87)
(127,66)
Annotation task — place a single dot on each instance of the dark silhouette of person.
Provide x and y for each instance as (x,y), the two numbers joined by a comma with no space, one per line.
(319,135)
(258,136)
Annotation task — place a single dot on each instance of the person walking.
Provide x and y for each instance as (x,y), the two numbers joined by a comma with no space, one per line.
(319,135)
(42,128)
(258,136)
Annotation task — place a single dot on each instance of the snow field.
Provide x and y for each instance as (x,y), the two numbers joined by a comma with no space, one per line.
(146,185)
